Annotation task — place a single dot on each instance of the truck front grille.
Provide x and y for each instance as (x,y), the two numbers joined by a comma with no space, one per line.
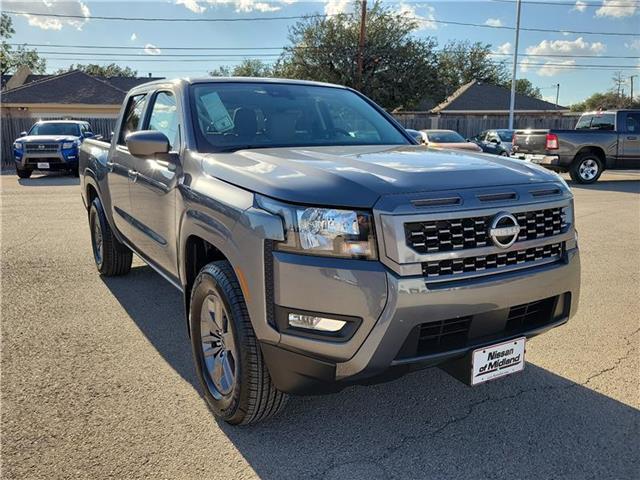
(472,232)
(493,262)
(41,147)
(444,335)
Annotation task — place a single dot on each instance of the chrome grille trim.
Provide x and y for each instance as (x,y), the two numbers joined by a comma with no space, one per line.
(474,266)
(471,232)
(35,147)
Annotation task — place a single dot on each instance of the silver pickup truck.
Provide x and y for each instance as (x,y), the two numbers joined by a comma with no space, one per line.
(601,140)
(317,246)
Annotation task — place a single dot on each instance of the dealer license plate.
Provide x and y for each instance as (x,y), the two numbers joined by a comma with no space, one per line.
(497,360)
(43,165)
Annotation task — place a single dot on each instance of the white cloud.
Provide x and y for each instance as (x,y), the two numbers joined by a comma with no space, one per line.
(569,47)
(580,6)
(335,7)
(616,8)
(635,45)
(493,22)
(199,6)
(151,49)
(134,37)
(425,21)
(505,48)
(553,65)
(65,7)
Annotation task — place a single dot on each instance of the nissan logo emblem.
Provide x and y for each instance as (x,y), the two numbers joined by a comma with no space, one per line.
(41,147)
(504,230)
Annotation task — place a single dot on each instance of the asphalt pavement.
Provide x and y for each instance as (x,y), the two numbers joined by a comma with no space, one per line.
(97,379)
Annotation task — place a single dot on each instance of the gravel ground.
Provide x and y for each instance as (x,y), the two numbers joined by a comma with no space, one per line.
(97,380)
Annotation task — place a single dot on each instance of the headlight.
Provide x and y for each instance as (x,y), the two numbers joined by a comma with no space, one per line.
(324,231)
(67,145)
(17,145)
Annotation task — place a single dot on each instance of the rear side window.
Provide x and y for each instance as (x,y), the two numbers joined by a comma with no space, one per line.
(164,117)
(132,116)
(602,121)
(632,122)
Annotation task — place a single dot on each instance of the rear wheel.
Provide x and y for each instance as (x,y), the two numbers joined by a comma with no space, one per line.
(234,378)
(23,172)
(586,168)
(112,257)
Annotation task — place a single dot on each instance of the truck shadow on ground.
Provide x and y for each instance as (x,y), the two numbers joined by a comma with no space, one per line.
(611,185)
(49,180)
(424,425)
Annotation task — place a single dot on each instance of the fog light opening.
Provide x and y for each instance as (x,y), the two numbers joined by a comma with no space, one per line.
(310,322)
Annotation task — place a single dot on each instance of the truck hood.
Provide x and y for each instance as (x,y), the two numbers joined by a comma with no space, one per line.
(358,176)
(47,138)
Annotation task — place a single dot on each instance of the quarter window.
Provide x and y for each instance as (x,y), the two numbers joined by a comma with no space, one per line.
(164,117)
(132,116)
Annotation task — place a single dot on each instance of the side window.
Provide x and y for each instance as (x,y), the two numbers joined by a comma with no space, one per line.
(164,117)
(633,122)
(132,116)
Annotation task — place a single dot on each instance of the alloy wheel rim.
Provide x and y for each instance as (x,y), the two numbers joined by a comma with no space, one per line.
(588,169)
(218,347)
(98,243)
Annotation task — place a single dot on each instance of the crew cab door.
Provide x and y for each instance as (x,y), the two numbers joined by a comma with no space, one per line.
(153,187)
(629,140)
(121,163)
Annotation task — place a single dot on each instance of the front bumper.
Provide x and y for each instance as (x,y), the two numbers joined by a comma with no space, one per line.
(61,160)
(393,310)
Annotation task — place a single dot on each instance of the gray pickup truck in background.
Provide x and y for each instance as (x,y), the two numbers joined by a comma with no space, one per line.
(317,246)
(601,140)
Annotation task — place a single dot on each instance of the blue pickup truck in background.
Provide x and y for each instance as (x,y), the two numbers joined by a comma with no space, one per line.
(50,146)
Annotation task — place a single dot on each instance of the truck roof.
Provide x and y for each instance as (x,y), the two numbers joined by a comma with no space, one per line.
(192,81)
(616,110)
(62,121)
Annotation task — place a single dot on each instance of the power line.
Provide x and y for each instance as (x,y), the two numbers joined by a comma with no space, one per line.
(572,4)
(140,48)
(249,19)
(165,19)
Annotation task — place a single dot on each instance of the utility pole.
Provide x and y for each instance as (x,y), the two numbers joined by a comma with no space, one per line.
(515,67)
(557,94)
(363,33)
(631,77)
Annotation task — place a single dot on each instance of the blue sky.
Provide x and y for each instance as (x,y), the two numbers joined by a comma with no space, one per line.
(150,39)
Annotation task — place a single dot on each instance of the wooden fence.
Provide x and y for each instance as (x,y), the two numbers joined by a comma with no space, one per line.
(470,125)
(11,128)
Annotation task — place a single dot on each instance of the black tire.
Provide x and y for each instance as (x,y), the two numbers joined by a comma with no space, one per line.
(112,257)
(251,396)
(24,172)
(586,168)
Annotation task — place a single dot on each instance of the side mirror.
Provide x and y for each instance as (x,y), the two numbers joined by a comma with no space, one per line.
(89,135)
(23,134)
(495,140)
(147,143)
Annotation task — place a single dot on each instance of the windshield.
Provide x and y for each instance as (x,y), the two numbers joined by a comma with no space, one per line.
(505,135)
(231,116)
(55,129)
(445,137)
(599,121)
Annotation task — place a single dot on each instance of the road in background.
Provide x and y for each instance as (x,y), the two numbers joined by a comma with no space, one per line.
(97,378)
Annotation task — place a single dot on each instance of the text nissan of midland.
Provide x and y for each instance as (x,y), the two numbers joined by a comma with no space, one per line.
(317,246)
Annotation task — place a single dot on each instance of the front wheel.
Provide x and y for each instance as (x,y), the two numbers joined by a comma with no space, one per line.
(112,257)
(234,378)
(24,172)
(586,169)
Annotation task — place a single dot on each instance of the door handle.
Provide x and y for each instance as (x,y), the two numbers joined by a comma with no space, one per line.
(633,137)
(133,175)
(110,166)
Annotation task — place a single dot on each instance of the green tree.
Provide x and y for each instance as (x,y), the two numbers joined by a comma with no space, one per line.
(249,67)
(12,58)
(399,70)
(604,101)
(95,70)
(460,62)
(525,87)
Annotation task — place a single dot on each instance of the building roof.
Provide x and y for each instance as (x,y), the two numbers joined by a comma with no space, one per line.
(75,87)
(483,97)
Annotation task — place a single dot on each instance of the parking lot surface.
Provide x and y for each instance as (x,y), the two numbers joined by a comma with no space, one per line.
(97,378)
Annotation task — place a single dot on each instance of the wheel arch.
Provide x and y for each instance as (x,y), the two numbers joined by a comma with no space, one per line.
(593,150)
